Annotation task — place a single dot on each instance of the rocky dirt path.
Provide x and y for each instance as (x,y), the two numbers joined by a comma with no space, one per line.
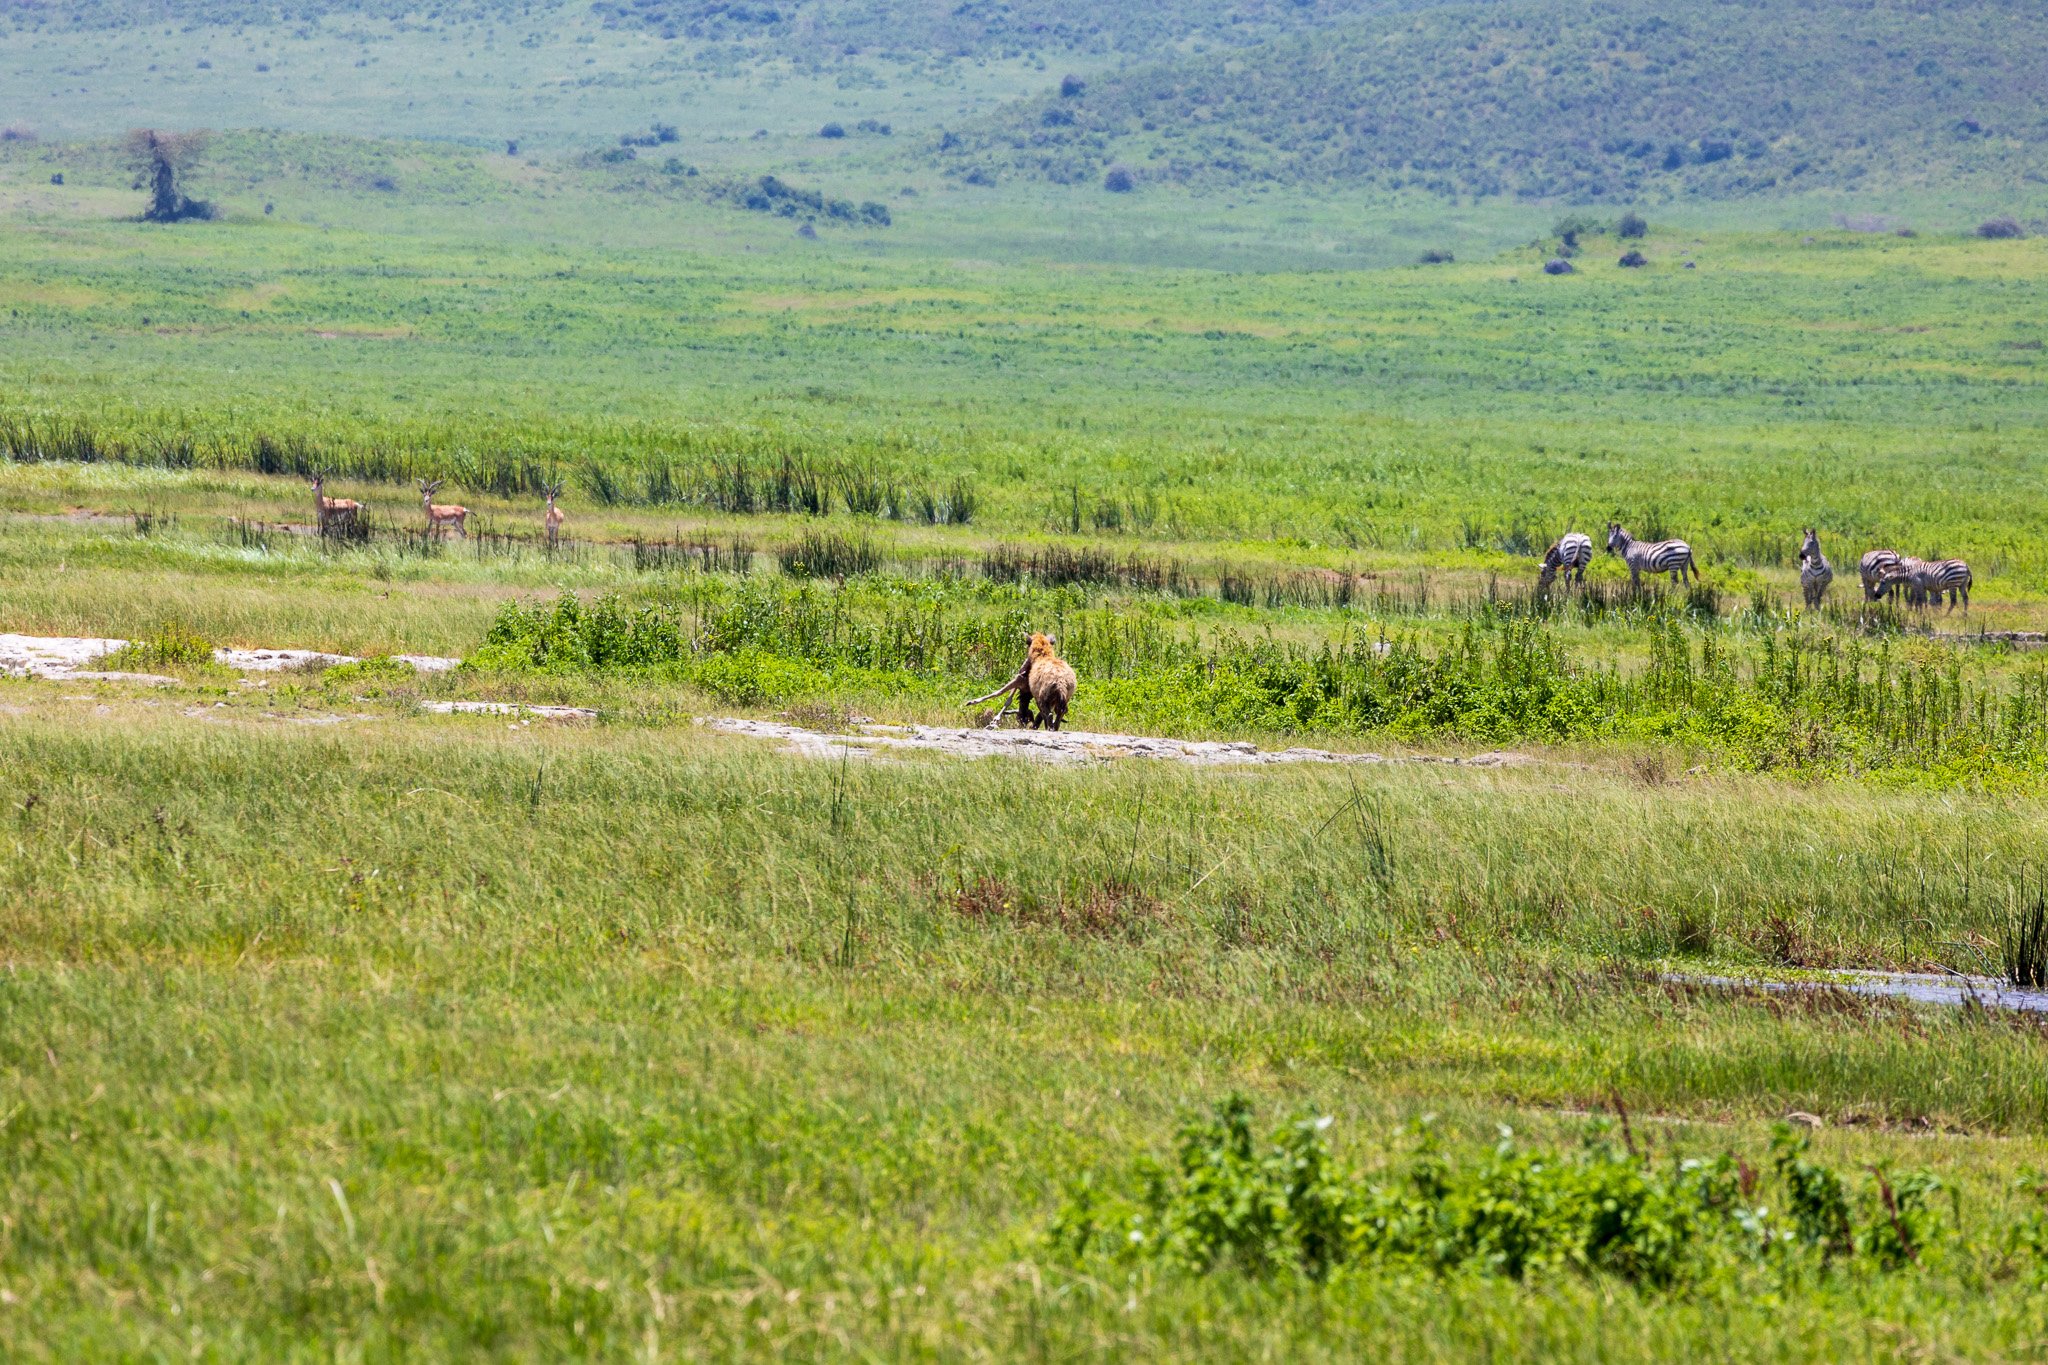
(76,656)
(868,739)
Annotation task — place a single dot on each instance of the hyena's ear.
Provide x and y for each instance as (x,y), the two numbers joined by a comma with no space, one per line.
(1027,639)
(1052,640)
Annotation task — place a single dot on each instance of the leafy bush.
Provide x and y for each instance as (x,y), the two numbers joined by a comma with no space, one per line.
(1633,260)
(2000,229)
(1631,226)
(1437,256)
(832,130)
(173,645)
(1283,1207)
(1071,87)
(1558,265)
(1118,180)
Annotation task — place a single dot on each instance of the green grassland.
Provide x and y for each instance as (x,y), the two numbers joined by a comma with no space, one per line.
(337,1028)
(1883,388)
(604,1044)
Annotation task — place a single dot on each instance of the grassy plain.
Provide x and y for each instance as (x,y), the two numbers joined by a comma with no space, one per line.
(443,1037)
(1886,389)
(339,1029)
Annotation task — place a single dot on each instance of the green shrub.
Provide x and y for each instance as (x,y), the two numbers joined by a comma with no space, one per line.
(372,676)
(173,645)
(1283,1207)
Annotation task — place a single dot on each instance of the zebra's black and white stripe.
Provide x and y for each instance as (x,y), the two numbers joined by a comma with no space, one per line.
(1815,573)
(1572,552)
(1928,581)
(1663,556)
(1874,565)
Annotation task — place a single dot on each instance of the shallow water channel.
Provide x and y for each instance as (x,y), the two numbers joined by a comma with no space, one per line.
(1927,988)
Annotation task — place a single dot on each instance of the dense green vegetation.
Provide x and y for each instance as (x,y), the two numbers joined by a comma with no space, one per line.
(1785,699)
(1284,1206)
(368,1012)
(1578,99)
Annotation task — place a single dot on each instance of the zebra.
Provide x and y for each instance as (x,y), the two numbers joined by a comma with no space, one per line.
(1572,552)
(1664,556)
(1815,573)
(1874,565)
(1926,582)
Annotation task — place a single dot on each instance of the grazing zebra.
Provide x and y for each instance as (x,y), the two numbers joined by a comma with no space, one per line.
(1815,573)
(1926,582)
(1664,556)
(1572,552)
(1874,565)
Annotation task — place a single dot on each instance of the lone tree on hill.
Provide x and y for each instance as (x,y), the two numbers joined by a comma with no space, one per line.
(162,160)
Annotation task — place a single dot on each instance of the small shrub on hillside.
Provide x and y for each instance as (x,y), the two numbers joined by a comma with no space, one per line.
(2000,229)
(831,130)
(1558,265)
(1631,227)
(1118,180)
(1071,87)
(1633,260)
(1437,256)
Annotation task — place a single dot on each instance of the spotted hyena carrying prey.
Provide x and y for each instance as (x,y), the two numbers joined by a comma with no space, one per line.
(1045,679)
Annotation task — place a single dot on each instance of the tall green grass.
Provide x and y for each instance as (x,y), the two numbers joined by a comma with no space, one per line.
(442,1037)
(1811,700)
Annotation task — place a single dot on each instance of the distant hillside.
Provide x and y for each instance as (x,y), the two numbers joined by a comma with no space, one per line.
(241,13)
(805,30)
(958,28)
(1577,99)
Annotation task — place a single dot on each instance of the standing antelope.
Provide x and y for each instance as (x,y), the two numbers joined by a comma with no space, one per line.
(554,517)
(440,515)
(1572,552)
(1926,582)
(1874,565)
(1664,556)
(1815,573)
(338,512)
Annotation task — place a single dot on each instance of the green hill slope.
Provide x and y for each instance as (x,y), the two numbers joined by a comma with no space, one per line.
(803,30)
(1585,99)
(958,28)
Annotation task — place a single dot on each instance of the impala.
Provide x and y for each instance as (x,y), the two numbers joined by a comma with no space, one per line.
(442,515)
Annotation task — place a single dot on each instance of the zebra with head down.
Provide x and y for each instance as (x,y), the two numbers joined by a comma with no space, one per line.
(1926,582)
(1571,552)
